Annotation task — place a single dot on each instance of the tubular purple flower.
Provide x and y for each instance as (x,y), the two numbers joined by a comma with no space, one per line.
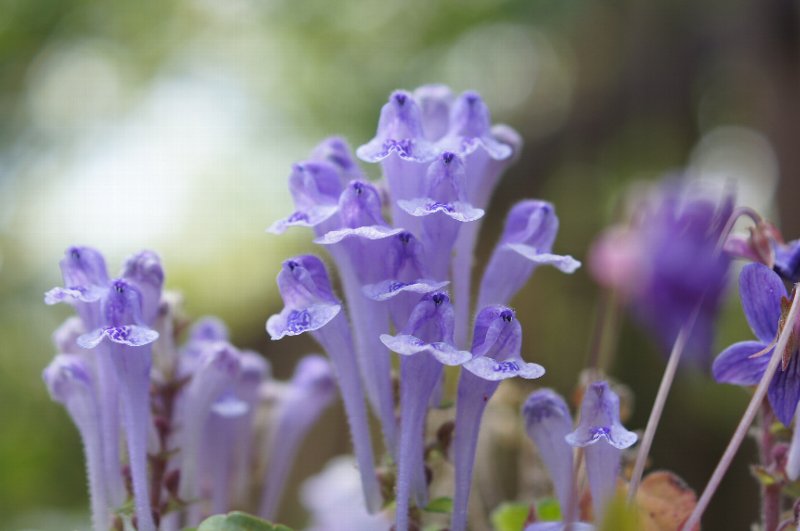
(762,294)
(787,260)
(144,271)
(217,372)
(85,282)
(603,438)
(404,153)
(70,382)
(406,279)
(310,393)
(65,337)
(526,243)
(470,131)
(434,102)
(311,306)
(218,455)
(547,422)
(496,344)
(443,207)
(365,233)
(315,187)
(128,346)
(429,335)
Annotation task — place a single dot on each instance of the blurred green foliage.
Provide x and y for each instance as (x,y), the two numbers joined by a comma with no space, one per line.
(603,93)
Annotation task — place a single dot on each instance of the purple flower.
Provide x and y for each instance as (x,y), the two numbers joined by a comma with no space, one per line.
(548,422)
(763,295)
(315,188)
(311,306)
(787,260)
(426,343)
(126,342)
(668,263)
(526,243)
(603,437)
(496,344)
(311,390)
(70,382)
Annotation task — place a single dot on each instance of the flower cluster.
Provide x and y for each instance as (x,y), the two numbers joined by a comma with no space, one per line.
(186,413)
(441,159)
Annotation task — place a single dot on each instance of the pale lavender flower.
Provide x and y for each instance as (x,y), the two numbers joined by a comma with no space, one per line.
(426,344)
(127,341)
(496,344)
(310,392)
(603,437)
(315,188)
(311,306)
(70,382)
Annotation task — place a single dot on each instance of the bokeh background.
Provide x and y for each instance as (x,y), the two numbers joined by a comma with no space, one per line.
(172,126)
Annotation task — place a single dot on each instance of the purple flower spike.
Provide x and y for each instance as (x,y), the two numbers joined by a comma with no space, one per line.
(434,102)
(336,151)
(70,382)
(311,306)
(311,391)
(470,129)
(127,342)
(144,271)
(762,292)
(496,343)
(218,371)
(399,132)
(547,422)
(429,331)
(603,438)
(315,188)
(526,243)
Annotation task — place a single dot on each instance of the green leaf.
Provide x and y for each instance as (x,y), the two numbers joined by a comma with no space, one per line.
(548,510)
(237,521)
(440,505)
(510,516)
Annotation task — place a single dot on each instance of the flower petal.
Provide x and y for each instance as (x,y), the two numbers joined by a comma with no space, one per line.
(293,322)
(308,218)
(493,370)
(372,232)
(761,291)
(735,365)
(784,390)
(388,289)
(408,345)
(564,263)
(425,206)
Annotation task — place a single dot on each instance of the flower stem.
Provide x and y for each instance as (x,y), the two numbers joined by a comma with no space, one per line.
(747,418)
(770,494)
(658,404)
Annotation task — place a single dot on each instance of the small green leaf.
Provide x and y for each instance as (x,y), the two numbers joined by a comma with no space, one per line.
(440,505)
(237,521)
(548,510)
(510,516)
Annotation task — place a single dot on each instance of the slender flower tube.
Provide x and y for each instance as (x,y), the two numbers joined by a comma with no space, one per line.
(85,284)
(363,233)
(426,344)
(496,344)
(435,102)
(526,243)
(603,438)
(548,422)
(217,371)
(310,393)
(219,450)
(70,382)
(311,306)
(128,342)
